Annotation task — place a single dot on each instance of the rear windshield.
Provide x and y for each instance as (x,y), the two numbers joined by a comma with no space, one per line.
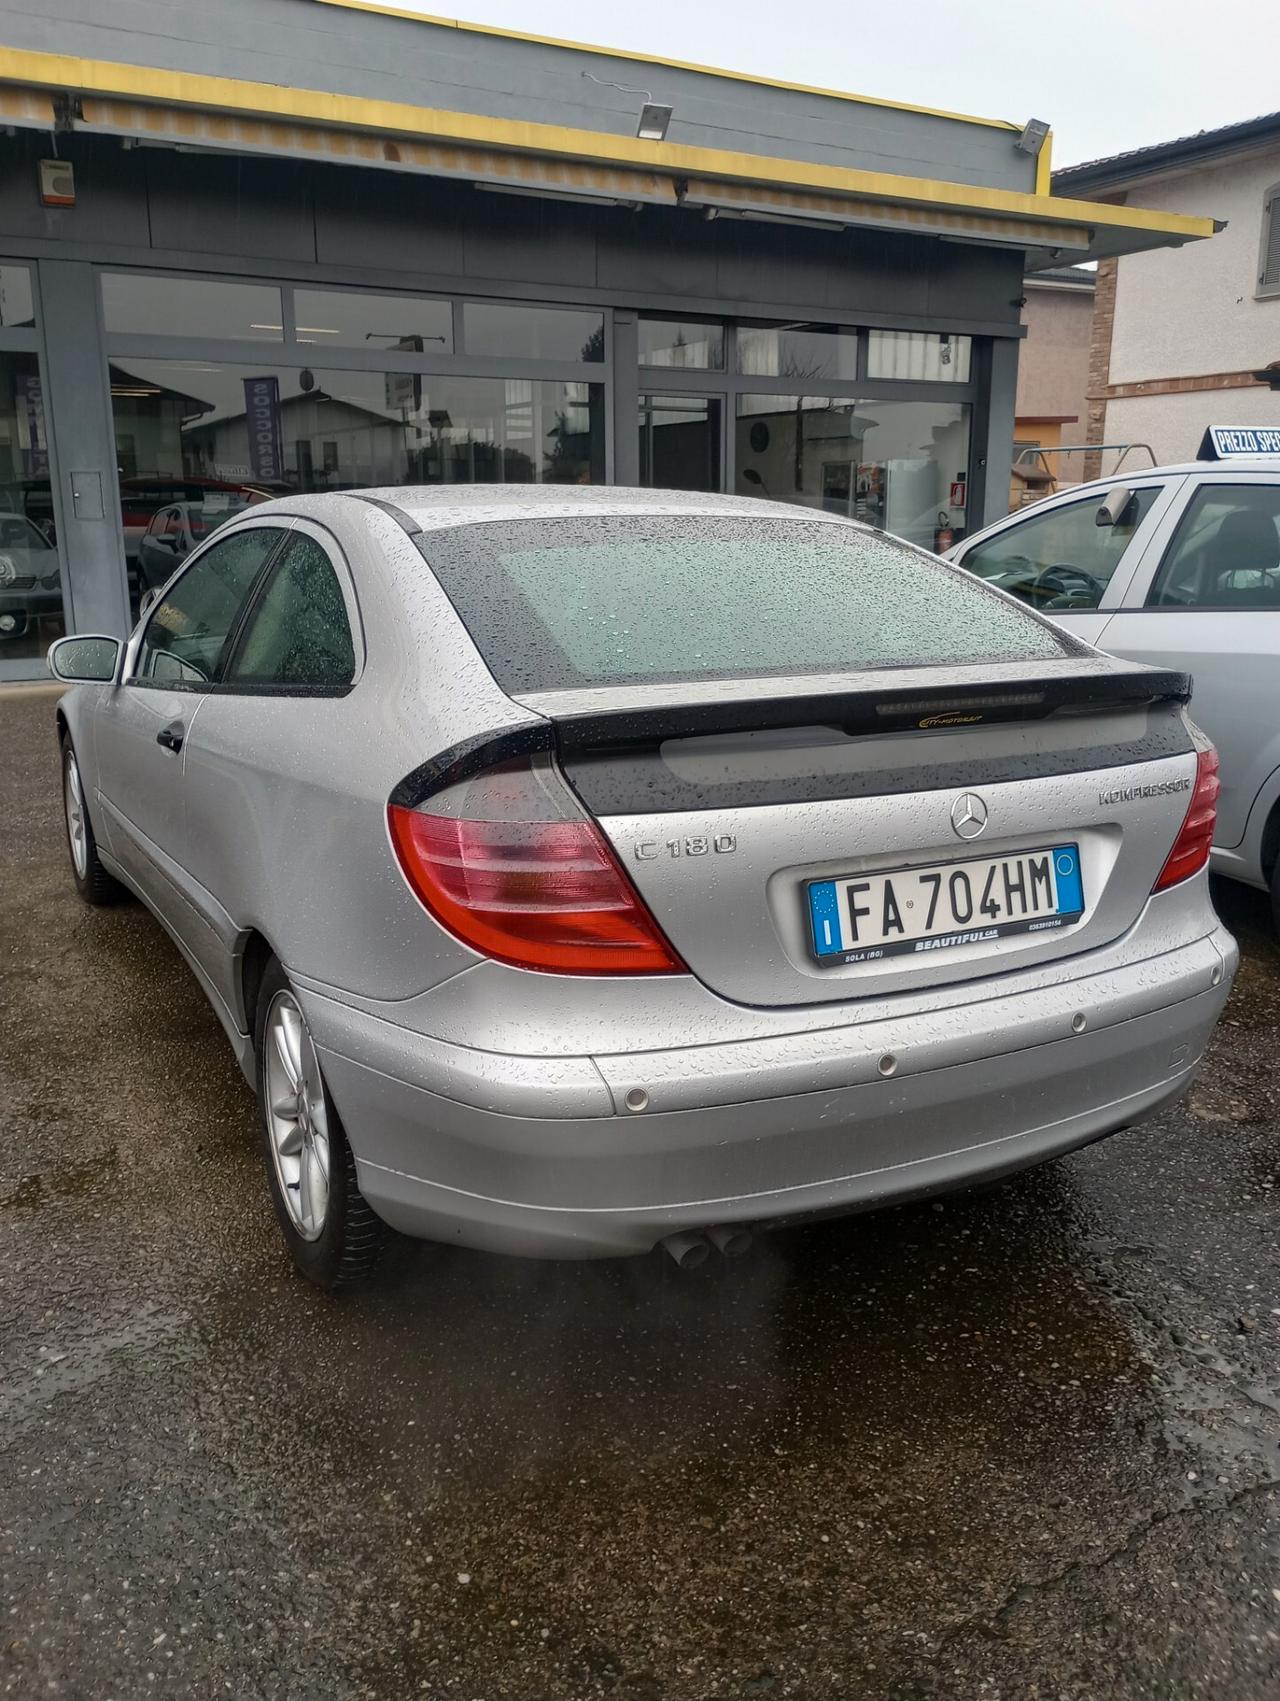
(632,599)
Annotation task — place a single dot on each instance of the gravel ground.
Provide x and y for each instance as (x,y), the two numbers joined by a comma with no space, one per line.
(1022,1444)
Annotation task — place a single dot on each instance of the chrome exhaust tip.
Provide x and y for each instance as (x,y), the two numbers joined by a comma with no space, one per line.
(688,1250)
(732,1240)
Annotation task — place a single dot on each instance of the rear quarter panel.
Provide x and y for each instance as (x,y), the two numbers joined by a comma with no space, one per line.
(287,796)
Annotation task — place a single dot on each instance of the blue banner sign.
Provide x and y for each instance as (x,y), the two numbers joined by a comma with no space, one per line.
(1223,442)
(31,426)
(262,418)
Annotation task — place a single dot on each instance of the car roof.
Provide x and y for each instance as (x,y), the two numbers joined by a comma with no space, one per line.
(433,507)
(1236,464)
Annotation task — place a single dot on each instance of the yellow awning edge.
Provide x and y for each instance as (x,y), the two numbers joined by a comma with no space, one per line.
(115,96)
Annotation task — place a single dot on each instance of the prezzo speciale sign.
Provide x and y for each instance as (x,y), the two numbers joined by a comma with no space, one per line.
(1223,442)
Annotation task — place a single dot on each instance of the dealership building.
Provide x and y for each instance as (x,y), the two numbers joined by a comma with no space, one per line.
(257,246)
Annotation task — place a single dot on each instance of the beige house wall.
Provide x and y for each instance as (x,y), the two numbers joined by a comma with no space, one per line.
(1053,362)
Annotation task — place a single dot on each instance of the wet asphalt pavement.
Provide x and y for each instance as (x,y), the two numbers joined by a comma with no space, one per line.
(1022,1444)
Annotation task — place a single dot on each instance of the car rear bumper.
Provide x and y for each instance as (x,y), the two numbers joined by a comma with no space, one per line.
(542,1156)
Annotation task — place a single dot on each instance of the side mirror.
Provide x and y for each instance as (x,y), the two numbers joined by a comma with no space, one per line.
(1115,504)
(150,597)
(84,661)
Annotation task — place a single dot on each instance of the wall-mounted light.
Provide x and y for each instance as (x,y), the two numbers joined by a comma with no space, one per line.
(1032,139)
(654,117)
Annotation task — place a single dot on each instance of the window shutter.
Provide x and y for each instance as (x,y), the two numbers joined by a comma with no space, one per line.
(1270,278)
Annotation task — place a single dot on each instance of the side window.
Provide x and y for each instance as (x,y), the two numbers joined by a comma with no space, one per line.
(1061,558)
(298,634)
(184,637)
(1225,553)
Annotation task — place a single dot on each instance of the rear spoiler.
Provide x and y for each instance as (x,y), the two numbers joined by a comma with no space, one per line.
(884,709)
(860,712)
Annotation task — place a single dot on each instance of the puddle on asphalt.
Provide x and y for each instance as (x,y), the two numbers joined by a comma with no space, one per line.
(77,1354)
(1229,1104)
(29,1192)
(1219,1420)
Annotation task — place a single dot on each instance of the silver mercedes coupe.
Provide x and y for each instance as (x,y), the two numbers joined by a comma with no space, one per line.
(577,871)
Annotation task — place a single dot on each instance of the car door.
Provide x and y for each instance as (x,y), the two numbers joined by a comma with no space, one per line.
(260,756)
(1059,560)
(1207,599)
(143,723)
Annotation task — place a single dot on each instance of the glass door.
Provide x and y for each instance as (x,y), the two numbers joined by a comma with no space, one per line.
(31,582)
(682,442)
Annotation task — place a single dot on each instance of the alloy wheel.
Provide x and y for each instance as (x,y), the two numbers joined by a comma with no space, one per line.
(77,825)
(297,1117)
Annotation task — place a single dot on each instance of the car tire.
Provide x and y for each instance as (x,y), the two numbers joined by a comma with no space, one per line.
(1275,895)
(93,883)
(334,1237)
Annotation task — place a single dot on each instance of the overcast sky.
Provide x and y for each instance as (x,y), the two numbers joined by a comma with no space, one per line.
(1107,74)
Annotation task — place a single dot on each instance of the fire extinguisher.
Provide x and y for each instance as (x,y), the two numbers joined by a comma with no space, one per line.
(944,535)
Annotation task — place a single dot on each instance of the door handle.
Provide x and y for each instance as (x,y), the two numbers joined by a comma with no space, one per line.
(171,736)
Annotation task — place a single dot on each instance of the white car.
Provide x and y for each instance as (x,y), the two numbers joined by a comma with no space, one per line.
(30,576)
(1178,566)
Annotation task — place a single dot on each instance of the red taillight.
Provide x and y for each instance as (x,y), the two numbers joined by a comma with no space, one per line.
(540,894)
(1191,847)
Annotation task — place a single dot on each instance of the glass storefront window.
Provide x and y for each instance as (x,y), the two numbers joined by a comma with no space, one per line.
(682,343)
(918,356)
(797,351)
(532,333)
(147,305)
(680,442)
(16,307)
(30,566)
(198,441)
(334,319)
(896,465)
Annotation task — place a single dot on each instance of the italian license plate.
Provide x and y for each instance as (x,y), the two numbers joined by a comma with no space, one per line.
(863,917)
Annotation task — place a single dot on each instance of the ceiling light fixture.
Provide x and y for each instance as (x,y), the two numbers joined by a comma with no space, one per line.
(755,217)
(583,199)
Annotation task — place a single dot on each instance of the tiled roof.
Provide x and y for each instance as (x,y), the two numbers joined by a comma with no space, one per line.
(1116,170)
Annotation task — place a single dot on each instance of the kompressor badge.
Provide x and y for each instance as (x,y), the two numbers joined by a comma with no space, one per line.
(1135,794)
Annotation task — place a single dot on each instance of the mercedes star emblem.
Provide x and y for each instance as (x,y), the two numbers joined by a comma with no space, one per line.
(969,815)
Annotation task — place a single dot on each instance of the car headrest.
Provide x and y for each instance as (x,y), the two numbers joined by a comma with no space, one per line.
(1246,539)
